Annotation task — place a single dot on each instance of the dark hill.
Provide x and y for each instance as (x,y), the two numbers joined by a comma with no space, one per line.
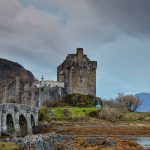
(9,70)
(145,99)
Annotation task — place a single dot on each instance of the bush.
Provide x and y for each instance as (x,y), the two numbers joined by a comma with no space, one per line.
(110,103)
(128,102)
(94,113)
(43,113)
(80,100)
(50,104)
(110,114)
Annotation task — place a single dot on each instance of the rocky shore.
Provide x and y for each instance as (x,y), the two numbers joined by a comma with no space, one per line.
(47,141)
(52,141)
(81,136)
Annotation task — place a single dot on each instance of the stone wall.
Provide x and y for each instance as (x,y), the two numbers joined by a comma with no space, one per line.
(78,73)
(33,94)
(38,92)
(12,91)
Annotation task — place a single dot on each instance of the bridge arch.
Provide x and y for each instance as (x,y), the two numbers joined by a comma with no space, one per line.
(32,123)
(23,125)
(17,119)
(10,124)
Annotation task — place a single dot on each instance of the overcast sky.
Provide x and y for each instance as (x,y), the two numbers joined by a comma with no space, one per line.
(39,34)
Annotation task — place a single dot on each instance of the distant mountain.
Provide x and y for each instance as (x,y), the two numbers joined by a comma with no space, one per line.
(9,70)
(145,99)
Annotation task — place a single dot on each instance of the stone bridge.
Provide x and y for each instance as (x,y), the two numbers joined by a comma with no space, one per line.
(17,119)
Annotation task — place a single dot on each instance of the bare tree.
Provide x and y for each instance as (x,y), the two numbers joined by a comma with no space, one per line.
(128,102)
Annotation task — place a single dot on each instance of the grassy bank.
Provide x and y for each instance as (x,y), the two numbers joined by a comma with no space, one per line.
(74,111)
(64,113)
(81,113)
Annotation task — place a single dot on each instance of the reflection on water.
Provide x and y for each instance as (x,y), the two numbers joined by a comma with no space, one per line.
(143,141)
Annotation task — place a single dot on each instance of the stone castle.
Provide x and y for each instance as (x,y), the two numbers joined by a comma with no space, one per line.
(77,74)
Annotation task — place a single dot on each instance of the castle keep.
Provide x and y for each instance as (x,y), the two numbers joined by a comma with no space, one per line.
(78,73)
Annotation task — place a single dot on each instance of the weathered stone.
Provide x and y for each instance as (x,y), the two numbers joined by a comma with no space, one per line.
(78,73)
(9,70)
(41,141)
(13,122)
(33,94)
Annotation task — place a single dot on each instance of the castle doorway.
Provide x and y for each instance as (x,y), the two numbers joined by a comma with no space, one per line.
(10,124)
(23,125)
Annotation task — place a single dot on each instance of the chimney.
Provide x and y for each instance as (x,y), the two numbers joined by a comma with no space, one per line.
(80,54)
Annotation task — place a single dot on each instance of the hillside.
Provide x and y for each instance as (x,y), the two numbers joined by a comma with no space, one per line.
(9,70)
(145,99)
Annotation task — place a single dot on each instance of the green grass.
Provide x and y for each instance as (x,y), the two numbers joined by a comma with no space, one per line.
(75,111)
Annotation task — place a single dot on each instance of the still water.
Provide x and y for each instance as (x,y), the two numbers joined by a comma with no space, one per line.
(143,141)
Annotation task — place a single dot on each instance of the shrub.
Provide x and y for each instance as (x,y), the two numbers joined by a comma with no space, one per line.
(128,102)
(94,114)
(49,103)
(43,113)
(110,114)
(80,100)
(110,103)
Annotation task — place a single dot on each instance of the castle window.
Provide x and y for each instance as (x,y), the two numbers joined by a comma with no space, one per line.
(81,79)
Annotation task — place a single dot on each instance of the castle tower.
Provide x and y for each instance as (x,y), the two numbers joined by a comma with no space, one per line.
(78,73)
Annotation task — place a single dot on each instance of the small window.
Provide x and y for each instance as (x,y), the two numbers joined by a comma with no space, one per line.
(81,79)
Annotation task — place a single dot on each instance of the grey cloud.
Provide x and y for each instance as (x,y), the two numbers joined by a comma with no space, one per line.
(31,35)
(130,16)
(40,34)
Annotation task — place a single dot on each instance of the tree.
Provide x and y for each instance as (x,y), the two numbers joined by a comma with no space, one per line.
(128,102)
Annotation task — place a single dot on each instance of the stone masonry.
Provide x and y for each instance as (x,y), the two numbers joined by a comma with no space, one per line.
(33,94)
(78,73)
(17,119)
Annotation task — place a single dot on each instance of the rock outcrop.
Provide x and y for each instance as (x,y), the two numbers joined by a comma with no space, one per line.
(49,141)
(9,70)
